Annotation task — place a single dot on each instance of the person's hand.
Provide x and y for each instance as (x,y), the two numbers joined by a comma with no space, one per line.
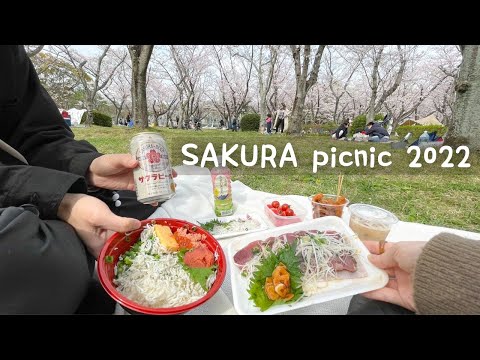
(92,220)
(399,261)
(114,172)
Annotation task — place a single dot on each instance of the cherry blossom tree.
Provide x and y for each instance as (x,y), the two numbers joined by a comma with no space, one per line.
(233,79)
(119,91)
(94,67)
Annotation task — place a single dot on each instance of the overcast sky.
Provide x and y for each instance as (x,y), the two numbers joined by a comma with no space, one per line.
(89,50)
(86,50)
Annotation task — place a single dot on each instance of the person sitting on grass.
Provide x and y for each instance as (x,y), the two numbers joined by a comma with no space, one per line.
(376,132)
(342,131)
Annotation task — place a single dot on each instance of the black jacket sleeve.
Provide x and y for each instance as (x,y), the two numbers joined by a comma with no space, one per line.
(31,121)
(377,130)
(32,124)
(341,128)
(44,188)
(369,131)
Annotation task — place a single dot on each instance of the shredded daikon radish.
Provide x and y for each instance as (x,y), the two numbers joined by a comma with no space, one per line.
(316,251)
(234,226)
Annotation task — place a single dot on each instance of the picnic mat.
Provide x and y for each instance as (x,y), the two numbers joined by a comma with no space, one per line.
(194,200)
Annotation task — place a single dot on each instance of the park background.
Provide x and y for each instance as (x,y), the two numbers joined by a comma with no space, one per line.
(168,88)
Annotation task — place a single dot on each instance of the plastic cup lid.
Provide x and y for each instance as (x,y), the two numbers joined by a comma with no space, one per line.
(373,214)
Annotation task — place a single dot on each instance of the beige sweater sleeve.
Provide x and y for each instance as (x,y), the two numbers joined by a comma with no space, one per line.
(447,276)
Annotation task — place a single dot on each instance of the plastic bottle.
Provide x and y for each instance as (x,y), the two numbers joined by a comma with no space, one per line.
(222,189)
(424,137)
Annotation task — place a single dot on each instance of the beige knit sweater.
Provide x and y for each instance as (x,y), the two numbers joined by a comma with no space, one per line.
(447,276)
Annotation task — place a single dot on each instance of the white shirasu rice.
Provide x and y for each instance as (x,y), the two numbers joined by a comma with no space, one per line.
(158,281)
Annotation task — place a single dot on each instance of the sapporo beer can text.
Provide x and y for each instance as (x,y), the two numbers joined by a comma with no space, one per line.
(153,176)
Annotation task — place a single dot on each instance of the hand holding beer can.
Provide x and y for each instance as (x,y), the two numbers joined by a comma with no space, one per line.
(153,176)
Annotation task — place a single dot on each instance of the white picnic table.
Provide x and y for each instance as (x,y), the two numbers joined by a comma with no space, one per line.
(194,200)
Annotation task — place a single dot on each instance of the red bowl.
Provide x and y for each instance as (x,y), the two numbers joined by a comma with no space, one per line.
(118,244)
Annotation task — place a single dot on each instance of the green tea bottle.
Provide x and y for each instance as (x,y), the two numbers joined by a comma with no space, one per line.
(222,189)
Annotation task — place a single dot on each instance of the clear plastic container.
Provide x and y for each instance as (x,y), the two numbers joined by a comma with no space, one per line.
(278,220)
(321,209)
(371,222)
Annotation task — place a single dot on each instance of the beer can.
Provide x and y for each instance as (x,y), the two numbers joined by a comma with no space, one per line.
(153,177)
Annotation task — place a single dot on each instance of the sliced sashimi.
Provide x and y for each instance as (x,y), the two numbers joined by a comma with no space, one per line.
(244,255)
(345,262)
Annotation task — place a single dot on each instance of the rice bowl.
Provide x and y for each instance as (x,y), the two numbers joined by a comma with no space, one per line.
(155,280)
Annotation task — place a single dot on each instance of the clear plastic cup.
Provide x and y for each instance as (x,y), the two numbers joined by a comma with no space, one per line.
(371,223)
(327,207)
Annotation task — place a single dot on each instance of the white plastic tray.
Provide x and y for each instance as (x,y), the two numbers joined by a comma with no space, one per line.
(336,289)
(254,215)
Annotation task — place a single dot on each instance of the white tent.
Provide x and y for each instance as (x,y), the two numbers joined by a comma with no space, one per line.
(429,120)
(76,115)
(408,122)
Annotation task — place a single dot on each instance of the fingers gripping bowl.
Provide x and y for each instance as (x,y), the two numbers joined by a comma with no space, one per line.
(166,267)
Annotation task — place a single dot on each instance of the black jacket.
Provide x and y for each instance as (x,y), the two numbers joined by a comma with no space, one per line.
(377,130)
(343,128)
(31,123)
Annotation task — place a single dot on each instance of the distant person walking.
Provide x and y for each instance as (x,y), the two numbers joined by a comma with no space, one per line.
(280,118)
(268,122)
(234,124)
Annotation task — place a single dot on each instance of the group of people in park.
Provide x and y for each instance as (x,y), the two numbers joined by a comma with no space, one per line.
(373,132)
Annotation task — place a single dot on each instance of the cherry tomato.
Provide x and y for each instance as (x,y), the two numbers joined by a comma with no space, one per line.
(269,206)
(275,204)
(281,213)
(289,212)
(275,211)
(285,207)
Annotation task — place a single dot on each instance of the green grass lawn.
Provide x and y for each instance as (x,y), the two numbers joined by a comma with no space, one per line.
(437,198)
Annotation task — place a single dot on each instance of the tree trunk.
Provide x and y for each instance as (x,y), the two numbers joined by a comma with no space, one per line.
(89,106)
(264,84)
(263,108)
(337,101)
(119,110)
(466,124)
(303,85)
(296,117)
(140,56)
(374,85)
(263,102)
(32,52)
